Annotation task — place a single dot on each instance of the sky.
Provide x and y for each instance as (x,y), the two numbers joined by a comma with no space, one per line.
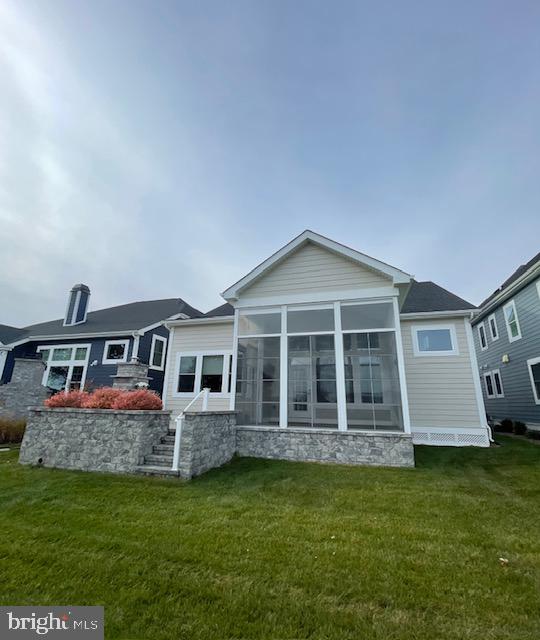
(154,149)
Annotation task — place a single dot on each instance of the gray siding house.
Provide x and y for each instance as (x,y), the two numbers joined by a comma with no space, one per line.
(507,342)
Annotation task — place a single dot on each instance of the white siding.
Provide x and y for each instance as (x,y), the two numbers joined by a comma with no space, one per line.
(313,268)
(441,389)
(196,338)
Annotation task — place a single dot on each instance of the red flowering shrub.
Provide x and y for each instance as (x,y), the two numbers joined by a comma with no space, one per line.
(142,399)
(72,399)
(103,398)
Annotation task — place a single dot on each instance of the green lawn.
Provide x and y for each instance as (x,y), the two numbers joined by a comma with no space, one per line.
(263,549)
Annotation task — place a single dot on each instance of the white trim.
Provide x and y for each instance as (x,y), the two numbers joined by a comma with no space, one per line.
(489,375)
(426,315)
(187,323)
(497,372)
(494,336)
(415,328)
(3,360)
(161,367)
(65,363)
(309,297)
(474,370)
(166,377)
(513,288)
(136,341)
(232,401)
(396,275)
(530,363)
(401,370)
(511,338)
(538,287)
(198,355)
(110,343)
(339,355)
(482,327)
(451,436)
(283,371)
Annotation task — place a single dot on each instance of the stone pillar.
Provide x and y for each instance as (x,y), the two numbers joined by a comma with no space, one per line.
(131,375)
(24,390)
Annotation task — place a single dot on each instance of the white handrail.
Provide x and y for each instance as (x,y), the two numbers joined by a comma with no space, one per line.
(180,421)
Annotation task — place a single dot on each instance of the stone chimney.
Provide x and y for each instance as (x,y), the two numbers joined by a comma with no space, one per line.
(77,306)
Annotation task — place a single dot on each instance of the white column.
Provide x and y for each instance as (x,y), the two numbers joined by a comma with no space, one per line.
(401,369)
(135,352)
(340,370)
(234,362)
(3,358)
(283,370)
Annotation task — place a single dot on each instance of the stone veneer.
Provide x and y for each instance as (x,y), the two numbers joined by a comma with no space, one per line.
(324,445)
(25,389)
(91,439)
(208,441)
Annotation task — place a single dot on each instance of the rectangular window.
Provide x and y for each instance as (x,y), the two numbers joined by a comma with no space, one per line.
(115,351)
(498,384)
(310,320)
(434,340)
(255,324)
(157,353)
(493,329)
(186,375)
(493,384)
(66,366)
(534,373)
(197,371)
(80,353)
(489,385)
(62,354)
(212,373)
(358,317)
(512,322)
(482,336)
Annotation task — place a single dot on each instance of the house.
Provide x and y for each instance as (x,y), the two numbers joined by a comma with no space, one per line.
(83,349)
(507,341)
(321,339)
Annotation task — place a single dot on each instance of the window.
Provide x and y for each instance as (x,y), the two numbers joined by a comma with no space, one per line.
(434,340)
(251,323)
(512,322)
(310,320)
(355,317)
(534,373)
(493,384)
(157,353)
(66,366)
(493,329)
(115,351)
(197,371)
(482,336)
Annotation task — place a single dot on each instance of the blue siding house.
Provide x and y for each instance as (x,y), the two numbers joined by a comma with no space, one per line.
(83,349)
(507,341)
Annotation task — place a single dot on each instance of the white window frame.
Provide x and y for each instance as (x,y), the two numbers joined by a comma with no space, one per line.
(496,336)
(529,367)
(428,327)
(491,375)
(156,338)
(486,376)
(65,363)
(538,287)
(511,338)
(482,327)
(224,393)
(110,343)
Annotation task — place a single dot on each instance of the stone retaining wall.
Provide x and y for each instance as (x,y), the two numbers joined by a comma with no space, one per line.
(208,441)
(91,439)
(318,445)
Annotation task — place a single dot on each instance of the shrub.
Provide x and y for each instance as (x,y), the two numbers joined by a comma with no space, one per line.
(520,428)
(103,398)
(505,426)
(11,430)
(142,399)
(533,434)
(72,399)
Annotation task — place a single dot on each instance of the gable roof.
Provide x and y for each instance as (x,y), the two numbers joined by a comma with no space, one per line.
(396,275)
(426,297)
(9,334)
(518,273)
(223,310)
(123,318)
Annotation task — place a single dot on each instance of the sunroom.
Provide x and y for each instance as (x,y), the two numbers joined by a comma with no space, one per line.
(335,365)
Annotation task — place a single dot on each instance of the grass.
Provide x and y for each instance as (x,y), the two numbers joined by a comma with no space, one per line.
(263,549)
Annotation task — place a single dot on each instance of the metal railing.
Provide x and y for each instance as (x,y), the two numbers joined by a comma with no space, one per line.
(180,422)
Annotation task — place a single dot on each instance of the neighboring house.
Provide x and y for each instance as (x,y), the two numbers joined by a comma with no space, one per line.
(83,349)
(507,341)
(322,337)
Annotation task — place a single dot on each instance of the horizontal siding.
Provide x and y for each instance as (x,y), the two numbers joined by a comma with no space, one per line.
(313,268)
(518,402)
(441,390)
(196,338)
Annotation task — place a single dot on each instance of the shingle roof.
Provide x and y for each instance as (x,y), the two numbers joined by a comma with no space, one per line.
(126,317)
(428,296)
(517,273)
(223,310)
(9,334)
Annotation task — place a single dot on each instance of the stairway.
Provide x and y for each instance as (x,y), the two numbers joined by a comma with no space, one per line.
(159,462)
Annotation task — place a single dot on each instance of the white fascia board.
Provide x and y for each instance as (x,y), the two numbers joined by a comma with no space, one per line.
(318,296)
(192,321)
(427,315)
(397,276)
(73,336)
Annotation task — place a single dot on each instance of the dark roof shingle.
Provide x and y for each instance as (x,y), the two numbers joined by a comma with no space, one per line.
(427,296)
(517,273)
(9,334)
(223,310)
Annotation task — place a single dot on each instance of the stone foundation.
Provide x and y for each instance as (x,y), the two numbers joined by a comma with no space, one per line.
(208,441)
(25,389)
(91,439)
(323,445)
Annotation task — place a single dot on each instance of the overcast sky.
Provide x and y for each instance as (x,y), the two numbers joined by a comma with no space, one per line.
(156,149)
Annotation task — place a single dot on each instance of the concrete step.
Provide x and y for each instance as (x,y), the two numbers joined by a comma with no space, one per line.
(158,460)
(167,440)
(163,449)
(149,470)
